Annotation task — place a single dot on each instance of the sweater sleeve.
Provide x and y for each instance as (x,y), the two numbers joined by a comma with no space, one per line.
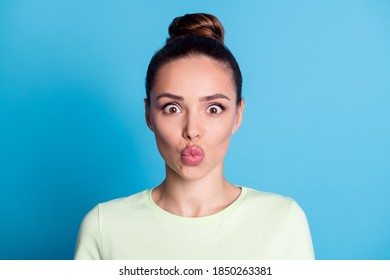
(301,246)
(88,245)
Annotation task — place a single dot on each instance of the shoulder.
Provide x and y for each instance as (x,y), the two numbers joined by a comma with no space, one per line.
(133,200)
(270,202)
(129,204)
(255,196)
(119,207)
(283,220)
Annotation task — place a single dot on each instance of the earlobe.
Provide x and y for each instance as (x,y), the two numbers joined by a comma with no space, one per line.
(238,119)
(147,114)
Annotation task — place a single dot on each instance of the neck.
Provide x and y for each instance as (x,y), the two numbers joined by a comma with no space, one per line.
(195,198)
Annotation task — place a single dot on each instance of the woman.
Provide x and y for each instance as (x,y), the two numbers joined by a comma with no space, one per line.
(193,106)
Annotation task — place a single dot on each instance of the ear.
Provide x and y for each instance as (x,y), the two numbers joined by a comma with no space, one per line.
(239,115)
(147,114)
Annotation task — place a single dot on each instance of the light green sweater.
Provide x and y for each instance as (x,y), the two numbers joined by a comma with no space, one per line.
(257,225)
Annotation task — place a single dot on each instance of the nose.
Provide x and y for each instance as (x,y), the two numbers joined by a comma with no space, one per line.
(192,127)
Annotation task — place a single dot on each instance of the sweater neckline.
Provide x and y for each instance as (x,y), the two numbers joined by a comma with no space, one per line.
(197,220)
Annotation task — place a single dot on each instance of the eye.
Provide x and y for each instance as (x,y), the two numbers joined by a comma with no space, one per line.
(171,109)
(215,109)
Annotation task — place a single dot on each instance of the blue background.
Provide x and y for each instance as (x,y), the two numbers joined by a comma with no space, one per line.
(316,125)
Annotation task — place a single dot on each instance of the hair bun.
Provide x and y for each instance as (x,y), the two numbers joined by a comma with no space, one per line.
(204,25)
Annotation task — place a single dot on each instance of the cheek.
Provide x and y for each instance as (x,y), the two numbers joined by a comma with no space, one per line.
(164,145)
(225,126)
(220,133)
(165,135)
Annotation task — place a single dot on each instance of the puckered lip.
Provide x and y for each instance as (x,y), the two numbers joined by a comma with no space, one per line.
(192,155)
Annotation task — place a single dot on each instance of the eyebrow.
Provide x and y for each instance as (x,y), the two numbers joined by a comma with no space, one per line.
(213,97)
(202,99)
(171,96)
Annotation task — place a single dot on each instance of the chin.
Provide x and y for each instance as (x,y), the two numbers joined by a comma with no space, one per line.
(192,177)
(191,173)
(187,172)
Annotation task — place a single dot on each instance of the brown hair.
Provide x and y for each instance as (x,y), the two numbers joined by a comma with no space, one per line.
(204,25)
(194,34)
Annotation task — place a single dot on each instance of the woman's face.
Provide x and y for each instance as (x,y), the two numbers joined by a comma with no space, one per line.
(193,113)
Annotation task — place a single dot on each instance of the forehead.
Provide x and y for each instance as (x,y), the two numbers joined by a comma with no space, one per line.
(195,75)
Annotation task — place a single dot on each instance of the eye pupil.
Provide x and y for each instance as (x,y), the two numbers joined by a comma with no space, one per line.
(213,110)
(173,110)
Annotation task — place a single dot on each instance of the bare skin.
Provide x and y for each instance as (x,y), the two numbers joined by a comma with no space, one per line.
(193,104)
